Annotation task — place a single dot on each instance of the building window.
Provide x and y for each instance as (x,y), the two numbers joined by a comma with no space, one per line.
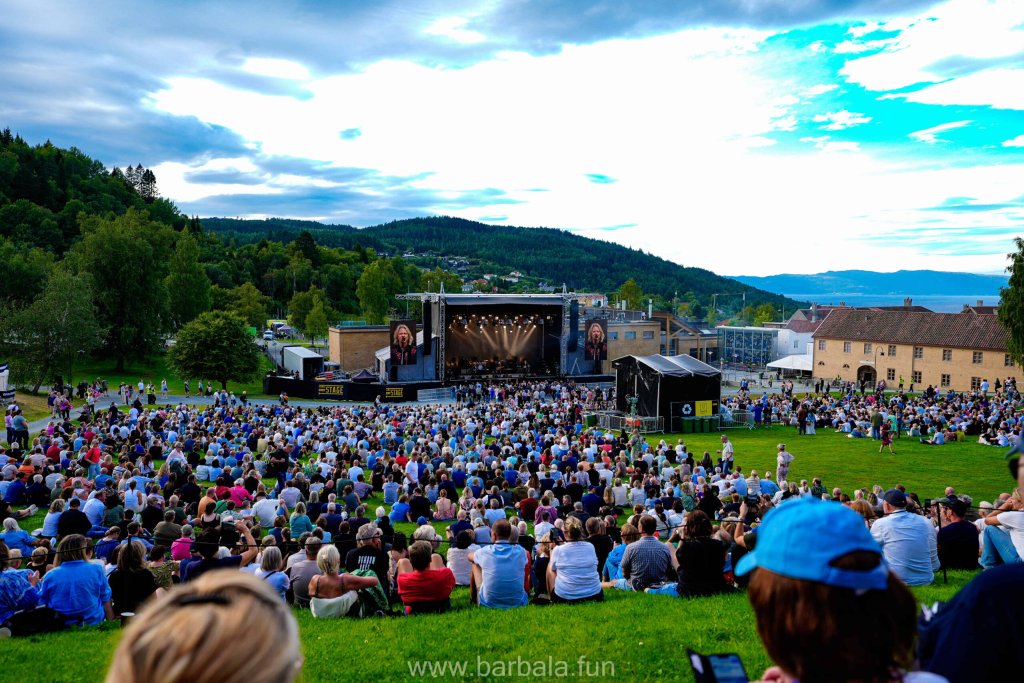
(978,355)
(613,335)
(867,349)
(918,352)
(821,344)
(945,381)
(975,384)
(947,355)
(796,343)
(631,335)
(693,351)
(915,377)
(890,374)
(1008,361)
(649,335)
(892,350)
(847,347)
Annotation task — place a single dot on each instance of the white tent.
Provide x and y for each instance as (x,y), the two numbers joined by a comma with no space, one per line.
(804,362)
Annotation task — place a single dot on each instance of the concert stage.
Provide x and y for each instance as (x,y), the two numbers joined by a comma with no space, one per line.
(466,337)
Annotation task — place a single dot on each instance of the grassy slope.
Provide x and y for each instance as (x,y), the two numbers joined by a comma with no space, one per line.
(644,636)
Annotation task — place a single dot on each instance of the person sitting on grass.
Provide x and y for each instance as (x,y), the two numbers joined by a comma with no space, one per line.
(572,571)
(331,594)
(76,588)
(699,560)
(424,583)
(645,561)
(18,590)
(499,576)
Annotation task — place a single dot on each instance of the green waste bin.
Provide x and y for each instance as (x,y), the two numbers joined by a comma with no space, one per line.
(687,425)
(713,423)
(590,420)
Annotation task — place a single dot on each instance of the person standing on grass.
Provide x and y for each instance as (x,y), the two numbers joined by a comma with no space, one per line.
(783,459)
(163,388)
(727,455)
(886,438)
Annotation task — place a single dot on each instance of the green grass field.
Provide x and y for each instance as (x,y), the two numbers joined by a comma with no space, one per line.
(645,637)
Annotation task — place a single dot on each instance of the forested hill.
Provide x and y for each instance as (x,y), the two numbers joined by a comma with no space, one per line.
(556,256)
(287,229)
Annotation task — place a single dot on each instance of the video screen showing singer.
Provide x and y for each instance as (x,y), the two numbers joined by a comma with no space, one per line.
(403,343)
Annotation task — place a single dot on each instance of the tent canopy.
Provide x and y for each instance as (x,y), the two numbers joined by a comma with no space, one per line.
(675,366)
(662,385)
(802,361)
(364,376)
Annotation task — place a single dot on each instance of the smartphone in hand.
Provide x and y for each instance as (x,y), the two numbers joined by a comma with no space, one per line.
(727,668)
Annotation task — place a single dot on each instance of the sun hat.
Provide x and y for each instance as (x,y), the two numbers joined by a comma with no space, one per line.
(801,540)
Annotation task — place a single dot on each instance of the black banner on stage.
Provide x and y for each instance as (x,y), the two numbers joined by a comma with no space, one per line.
(596,346)
(403,342)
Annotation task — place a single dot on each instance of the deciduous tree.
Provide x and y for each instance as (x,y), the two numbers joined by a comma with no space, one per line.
(216,345)
(188,287)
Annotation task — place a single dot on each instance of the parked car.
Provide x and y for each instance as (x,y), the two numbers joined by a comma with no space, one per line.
(268,335)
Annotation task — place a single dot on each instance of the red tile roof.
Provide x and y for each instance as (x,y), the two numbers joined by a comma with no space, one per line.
(960,330)
(802,326)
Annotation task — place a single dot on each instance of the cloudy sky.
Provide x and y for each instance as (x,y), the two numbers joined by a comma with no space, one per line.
(747,136)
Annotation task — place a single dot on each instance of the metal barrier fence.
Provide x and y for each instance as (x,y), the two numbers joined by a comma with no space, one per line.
(617,422)
(442,394)
(735,419)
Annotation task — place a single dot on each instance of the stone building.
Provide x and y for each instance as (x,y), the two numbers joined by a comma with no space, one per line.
(945,350)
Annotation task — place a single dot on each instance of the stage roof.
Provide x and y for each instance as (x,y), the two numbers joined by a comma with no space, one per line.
(500,299)
(674,366)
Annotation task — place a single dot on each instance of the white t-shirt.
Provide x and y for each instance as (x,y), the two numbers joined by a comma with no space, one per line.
(1014,522)
(576,565)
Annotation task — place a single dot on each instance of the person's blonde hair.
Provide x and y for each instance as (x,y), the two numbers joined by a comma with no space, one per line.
(57,506)
(72,548)
(573,528)
(189,635)
(329,560)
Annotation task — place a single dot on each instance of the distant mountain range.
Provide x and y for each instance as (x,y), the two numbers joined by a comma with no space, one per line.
(866,282)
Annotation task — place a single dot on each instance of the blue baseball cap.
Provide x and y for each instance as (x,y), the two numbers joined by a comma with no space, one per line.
(801,539)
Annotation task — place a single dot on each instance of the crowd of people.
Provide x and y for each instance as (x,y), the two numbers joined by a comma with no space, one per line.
(533,506)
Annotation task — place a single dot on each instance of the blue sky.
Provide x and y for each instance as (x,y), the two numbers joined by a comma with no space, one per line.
(745,136)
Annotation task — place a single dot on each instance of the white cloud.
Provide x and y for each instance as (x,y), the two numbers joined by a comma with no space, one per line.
(823,143)
(278,68)
(930,135)
(870,27)
(957,30)
(998,88)
(451,27)
(1015,142)
(550,122)
(819,89)
(849,46)
(838,120)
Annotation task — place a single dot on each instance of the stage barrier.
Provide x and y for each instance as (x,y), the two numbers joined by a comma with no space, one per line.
(431,395)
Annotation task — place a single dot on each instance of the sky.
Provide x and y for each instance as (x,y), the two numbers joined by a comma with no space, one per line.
(750,137)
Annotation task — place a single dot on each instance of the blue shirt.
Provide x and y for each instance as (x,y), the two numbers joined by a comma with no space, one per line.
(399,512)
(504,574)
(909,546)
(16,594)
(18,540)
(770,487)
(741,486)
(391,492)
(77,589)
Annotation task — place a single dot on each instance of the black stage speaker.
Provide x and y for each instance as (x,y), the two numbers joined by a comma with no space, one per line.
(574,324)
(428,328)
